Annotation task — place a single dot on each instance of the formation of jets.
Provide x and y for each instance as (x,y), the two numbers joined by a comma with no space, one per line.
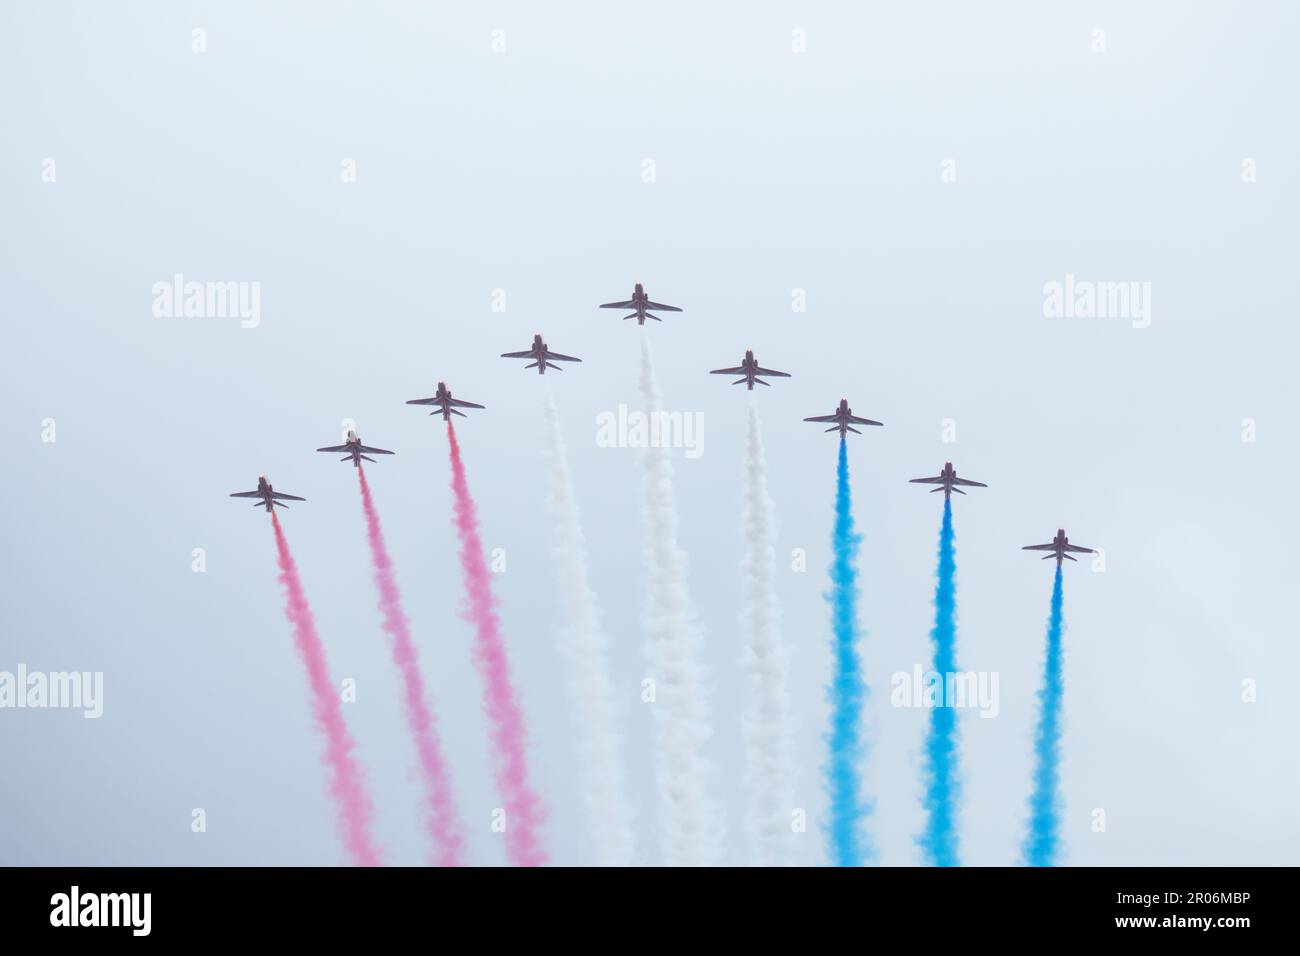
(541,358)
(749,371)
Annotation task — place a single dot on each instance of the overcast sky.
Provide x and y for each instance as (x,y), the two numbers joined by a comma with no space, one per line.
(920,171)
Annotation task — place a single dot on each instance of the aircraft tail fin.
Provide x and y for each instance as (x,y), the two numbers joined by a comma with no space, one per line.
(1070,557)
(854,430)
(933,490)
(761,382)
(553,365)
(532,365)
(833,428)
(1050,556)
(632,316)
(651,315)
(958,490)
(367,458)
(739,380)
(454,412)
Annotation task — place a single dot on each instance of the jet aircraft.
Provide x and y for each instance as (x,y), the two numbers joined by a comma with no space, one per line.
(268,496)
(843,419)
(1060,547)
(948,481)
(641,306)
(354,450)
(749,371)
(542,356)
(443,403)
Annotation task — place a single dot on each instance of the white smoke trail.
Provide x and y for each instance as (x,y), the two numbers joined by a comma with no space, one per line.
(767,724)
(690,829)
(586,646)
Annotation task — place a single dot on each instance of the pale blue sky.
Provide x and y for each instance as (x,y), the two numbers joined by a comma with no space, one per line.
(521,170)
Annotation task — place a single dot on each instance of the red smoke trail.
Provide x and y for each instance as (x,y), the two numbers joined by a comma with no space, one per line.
(346,785)
(444,821)
(524,812)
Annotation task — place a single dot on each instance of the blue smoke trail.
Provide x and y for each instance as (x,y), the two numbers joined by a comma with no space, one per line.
(939,841)
(1043,841)
(847,691)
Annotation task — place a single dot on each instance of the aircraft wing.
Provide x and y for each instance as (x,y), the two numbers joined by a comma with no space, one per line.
(425,401)
(560,358)
(457,401)
(373,451)
(936,480)
(1039,547)
(862,421)
(335,448)
(660,307)
(619,305)
(771,371)
(973,484)
(739,370)
(528,354)
(1075,547)
(247,494)
(280,494)
(822,418)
